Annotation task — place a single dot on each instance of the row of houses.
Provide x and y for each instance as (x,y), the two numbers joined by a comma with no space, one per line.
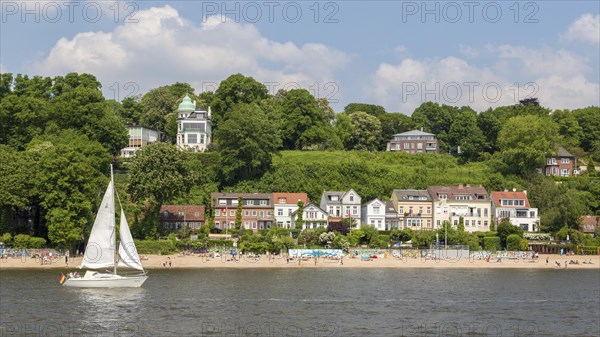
(407,208)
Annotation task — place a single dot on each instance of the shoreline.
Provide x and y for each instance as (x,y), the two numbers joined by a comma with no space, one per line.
(155,262)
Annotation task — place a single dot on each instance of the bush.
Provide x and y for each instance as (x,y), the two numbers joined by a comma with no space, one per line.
(524,245)
(166,247)
(21,241)
(491,243)
(36,243)
(513,242)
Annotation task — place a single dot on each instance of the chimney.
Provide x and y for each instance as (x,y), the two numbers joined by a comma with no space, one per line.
(524,191)
(421,129)
(514,189)
(460,186)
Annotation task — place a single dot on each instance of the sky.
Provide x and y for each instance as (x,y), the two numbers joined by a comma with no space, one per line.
(397,54)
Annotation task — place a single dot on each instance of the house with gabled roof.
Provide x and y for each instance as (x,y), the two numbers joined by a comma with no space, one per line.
(415,209)
(471,203)
(256,208)
(339,205)
(285,205)
(174,217)
(373,213)
(515,207)
(312,217)
(563,164)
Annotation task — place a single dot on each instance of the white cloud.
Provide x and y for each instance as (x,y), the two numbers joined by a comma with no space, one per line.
(585,29)
(164,48)
(557,78)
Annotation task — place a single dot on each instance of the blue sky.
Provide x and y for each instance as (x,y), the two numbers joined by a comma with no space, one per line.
(393,53)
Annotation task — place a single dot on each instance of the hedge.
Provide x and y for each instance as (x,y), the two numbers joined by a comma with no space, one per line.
(491,243)
(24,241)
(513,242)
(165,247)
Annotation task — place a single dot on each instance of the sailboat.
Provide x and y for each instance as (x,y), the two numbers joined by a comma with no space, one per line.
(101,248)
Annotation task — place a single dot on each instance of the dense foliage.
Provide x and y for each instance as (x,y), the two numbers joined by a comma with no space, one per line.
(58,136)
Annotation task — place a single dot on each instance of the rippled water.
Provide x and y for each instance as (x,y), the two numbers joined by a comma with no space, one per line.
(311,302)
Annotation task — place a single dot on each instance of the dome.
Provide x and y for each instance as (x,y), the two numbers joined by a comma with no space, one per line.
(187,105)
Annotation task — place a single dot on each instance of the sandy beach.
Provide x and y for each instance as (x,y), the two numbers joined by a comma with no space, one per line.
(196,261)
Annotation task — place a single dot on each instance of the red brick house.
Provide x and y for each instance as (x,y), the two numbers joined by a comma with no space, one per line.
(173,217)
(257,210)
(563,164)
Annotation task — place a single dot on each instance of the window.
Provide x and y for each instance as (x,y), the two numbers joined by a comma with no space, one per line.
(428,210)
(234,201)
(375,209)
(354,210)
(351,197)
(455,222)
(202,139)
(565,160)
(438,223)
(247,225)
(485,212)
(222,201)
(443,196)
(413,222)
(485,223)
(420,210)
(263,202)
(280,212)
(289,211)
(261,214)
(419,145)
(478,222)
(281,200)
(253,213)
(565,173)
(192,138)
(428,223)
(217,212)
(246,213)
(250,202)
(401,209)
(406,146)
(466,223)
(253,224)
(410,210)
(231,213)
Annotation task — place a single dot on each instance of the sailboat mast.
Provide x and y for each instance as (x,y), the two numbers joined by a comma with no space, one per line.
(114,221)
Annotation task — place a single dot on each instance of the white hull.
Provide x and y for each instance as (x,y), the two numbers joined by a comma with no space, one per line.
(98,280)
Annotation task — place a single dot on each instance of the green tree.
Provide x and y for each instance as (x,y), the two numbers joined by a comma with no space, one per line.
(344,129)
(234,90)
(371,109)
(391,124)
(436,119)
(300,211)
(505,228)
(238,213)
(590,123)
(248,141)
(158,173)
(526,141)
(366,133)
(159,106)
(464,134)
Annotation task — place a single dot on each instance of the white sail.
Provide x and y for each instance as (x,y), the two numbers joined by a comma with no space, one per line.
(100,249)
(127,251)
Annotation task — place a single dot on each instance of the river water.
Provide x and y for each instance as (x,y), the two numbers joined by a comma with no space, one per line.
(309,302)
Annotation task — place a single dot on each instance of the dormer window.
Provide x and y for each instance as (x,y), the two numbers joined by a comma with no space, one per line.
(351,197)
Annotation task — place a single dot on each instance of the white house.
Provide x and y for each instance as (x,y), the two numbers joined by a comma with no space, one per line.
(140,136)
(312,217)
(373,213)
(194,128)
(471,203)
(341,205)
(515,206)
(286,204)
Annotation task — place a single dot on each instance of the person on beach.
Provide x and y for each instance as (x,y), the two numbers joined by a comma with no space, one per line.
(546,260)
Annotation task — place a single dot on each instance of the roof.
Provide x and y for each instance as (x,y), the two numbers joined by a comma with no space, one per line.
(234,195)
(403,195)
(189,211)
(291,198)
(390,207)
(310,204)
(326,197)
(372,201)
(475,192)
(497,196)
(562,152)
(414,133)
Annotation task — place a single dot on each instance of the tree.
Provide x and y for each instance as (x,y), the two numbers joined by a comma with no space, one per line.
(304,125)
(300,211)
(505,228)
(371,109)
(464,134)
(238,213)
(590,123)
(526,141)
(234,90)
(344,129)
(436,119)
(158,104)
(366,131)
(248,141)
(158,173)
(391,124)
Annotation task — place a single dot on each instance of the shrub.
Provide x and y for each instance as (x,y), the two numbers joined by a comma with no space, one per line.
(21,241)
(491,243)
(524,245)
(166,247)
(513,242)
(36,243)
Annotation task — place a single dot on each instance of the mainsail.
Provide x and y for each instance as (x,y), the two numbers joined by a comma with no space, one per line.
(127,251)
(100,249)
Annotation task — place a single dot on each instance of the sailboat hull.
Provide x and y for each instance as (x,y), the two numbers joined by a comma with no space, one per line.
(98,280)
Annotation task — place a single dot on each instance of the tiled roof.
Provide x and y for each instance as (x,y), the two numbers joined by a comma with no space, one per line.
(290,198)
(414,133)
(476,192)
(192,213)
(403,195)
(497,196)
